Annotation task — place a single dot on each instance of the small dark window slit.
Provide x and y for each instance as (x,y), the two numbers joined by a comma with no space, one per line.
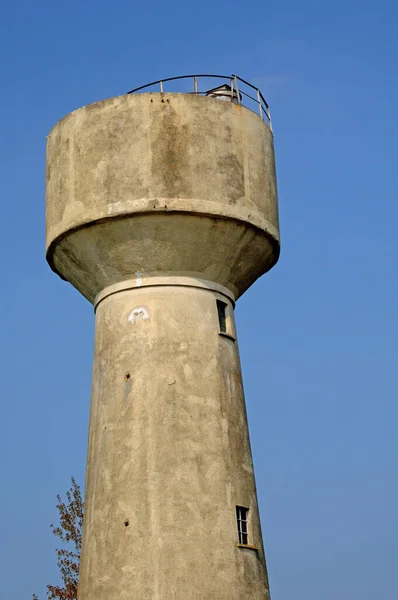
(242,522)
(222,318)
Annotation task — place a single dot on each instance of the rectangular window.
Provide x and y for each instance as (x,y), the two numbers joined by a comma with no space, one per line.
(242,522)
(222,319)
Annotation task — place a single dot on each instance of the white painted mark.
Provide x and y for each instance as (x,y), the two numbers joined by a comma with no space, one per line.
(138,280)
(138,312)
(114,207)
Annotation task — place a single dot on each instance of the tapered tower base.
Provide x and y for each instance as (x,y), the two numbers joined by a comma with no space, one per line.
(169,455)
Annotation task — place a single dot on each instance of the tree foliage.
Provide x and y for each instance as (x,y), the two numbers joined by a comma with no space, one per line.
(69,531)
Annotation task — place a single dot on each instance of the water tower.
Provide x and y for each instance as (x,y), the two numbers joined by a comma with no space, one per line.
(162,212)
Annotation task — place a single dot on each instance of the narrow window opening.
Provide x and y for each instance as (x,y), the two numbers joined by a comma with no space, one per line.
(222,318)
(242,522)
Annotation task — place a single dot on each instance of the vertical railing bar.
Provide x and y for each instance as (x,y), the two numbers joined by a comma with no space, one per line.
(232,90)
(269,119)
(195,84)
(161,86)
(260,108)
(237,88)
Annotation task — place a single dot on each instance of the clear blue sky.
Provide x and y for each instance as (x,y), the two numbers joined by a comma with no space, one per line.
(318,335)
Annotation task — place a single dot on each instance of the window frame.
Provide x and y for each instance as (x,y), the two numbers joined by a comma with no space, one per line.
(242,521)
(222,315)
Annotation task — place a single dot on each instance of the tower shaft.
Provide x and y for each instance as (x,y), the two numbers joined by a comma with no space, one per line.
(169,454)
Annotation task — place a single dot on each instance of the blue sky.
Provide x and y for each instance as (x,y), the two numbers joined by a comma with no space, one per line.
(318,335)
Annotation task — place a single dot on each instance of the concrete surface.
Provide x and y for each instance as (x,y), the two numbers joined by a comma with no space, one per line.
(169,453)
(157,206)
(112,164)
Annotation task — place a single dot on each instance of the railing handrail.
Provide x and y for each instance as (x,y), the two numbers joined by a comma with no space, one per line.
(236,91)
(174,78)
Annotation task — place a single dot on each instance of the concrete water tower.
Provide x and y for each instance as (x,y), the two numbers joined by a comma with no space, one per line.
(162,212)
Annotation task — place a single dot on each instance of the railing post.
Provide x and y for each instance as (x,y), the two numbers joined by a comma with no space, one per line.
(195,84)
(232,90)
(237,88)
(161,86)
(269,119)
(260,108)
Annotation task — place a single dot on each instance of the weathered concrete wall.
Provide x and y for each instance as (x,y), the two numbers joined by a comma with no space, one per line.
(169,455)
(146,155)
(157,205)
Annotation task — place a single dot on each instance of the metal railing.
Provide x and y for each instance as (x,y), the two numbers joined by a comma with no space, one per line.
(238,86)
